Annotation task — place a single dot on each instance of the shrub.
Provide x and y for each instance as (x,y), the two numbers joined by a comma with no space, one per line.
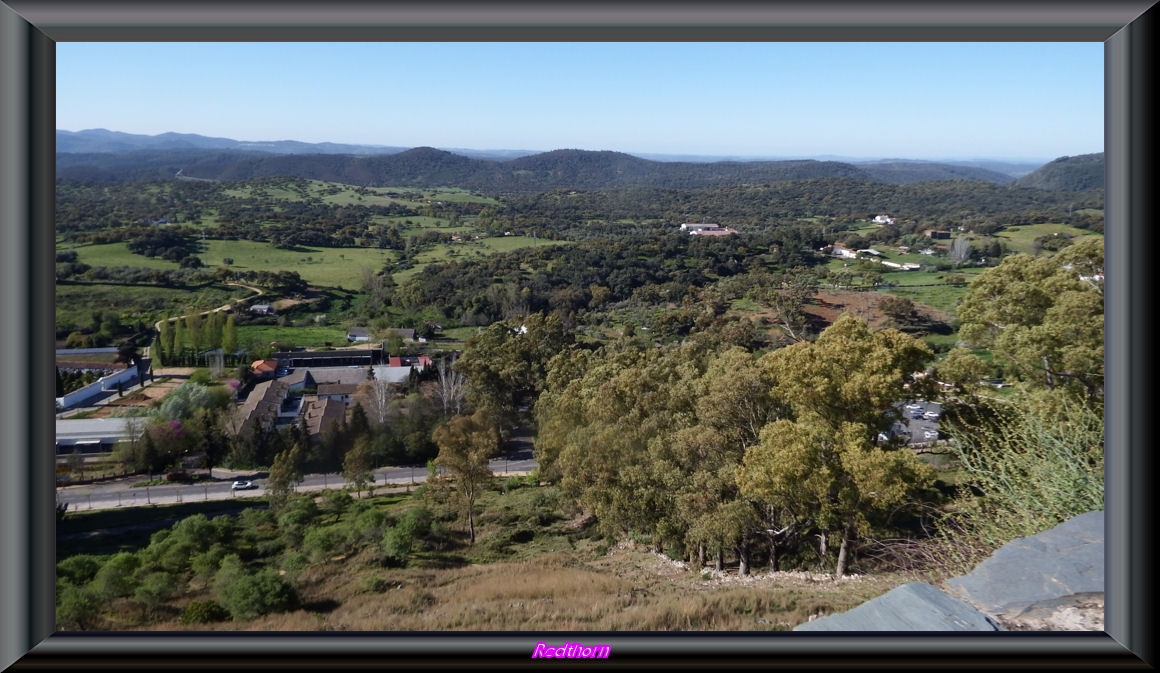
(247,595)
(76,608)
(295,518)
(1035,466)
(203,612)
(365,528)
(375,584)
(417,521)
(323,543)
(115,577)
(154,590)
(79,569)
(396,546)
(294,561)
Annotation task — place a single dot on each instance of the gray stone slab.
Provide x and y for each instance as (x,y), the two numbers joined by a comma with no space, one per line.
(911,607)
(1067,560)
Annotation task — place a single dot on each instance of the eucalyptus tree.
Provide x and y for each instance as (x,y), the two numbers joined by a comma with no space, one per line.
(820,460)
(466,444)
(1043,317)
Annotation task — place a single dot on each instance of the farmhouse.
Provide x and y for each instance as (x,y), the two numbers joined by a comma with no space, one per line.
(356,334)
(840,250)
(262,309)
(707,230)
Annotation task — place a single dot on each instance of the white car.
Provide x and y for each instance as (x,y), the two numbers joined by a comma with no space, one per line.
(243,485)
(930,434)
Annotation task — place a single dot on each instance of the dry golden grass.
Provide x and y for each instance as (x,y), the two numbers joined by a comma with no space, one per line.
(627,589)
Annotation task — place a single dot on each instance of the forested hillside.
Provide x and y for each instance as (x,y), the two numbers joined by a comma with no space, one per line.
(427,167)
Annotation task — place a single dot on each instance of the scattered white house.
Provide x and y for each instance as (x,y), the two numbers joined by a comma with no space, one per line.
(707,229)
(840,250)
(262,309)
(883,219)
(356,334)
(871,251)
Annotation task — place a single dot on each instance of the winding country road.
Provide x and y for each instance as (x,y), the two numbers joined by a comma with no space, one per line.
(257,293)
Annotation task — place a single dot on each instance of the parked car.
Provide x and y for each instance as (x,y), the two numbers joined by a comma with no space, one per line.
(930,434)
(243,485)
(931,415)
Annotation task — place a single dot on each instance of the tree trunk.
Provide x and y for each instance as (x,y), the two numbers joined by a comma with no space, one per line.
(700,556)
(743,557)
(843,550)
(773,560)
(720,559)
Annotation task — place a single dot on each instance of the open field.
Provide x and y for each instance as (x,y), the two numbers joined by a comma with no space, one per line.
(1022,237)
(324,267)
(309,337)
(922,286)
(75,302)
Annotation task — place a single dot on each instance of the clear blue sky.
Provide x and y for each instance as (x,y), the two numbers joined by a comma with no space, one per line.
(859,100)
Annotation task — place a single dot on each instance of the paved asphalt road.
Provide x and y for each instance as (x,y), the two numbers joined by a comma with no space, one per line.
(122,493)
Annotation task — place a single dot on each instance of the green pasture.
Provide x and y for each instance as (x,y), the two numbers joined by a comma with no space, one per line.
(322,267)
(75,303)
(1022,238)
(314,336)
(325,267)
(116,254)
(509,243)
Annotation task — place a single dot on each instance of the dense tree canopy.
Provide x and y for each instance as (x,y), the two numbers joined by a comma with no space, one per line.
(1044,318)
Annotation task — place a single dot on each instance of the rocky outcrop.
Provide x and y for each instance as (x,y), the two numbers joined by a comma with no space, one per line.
(1053,581)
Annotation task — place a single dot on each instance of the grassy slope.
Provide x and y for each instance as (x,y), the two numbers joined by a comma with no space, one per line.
(564,577)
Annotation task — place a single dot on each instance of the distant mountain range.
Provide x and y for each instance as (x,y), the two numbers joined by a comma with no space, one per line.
(1067,174)
(120,157)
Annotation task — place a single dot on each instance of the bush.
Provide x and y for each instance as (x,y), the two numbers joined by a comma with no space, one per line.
(375,584)
(294,561)
(116,577)
(203,612)
(154,590)
(365,528)
(1035,466)
(79,569)
(247,595)
(396,546)
(76,608)
(323,543)
(207,563)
